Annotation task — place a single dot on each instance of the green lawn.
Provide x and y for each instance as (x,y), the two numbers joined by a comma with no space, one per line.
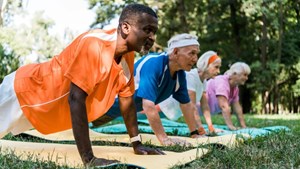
(278,150)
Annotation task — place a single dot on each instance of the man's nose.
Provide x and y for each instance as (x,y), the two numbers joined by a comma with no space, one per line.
(195,58)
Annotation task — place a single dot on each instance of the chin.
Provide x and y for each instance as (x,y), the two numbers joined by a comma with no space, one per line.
(144,51)
(188,69)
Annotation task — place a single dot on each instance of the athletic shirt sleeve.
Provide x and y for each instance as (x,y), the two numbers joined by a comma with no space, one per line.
(149,79)
(181,95)
(222,87)
(89,65)
(128,89)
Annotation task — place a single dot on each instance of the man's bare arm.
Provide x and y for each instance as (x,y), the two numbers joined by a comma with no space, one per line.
(77,99)
(154,120)
(128,110)
(156,125)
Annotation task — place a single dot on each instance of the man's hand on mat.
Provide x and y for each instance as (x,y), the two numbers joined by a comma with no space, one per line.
(100,162)
(140,149)
(175,141)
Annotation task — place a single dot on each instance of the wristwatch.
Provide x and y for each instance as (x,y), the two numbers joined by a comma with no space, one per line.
(136,138)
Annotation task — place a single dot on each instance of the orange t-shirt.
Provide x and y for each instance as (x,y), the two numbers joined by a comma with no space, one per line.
(43,89)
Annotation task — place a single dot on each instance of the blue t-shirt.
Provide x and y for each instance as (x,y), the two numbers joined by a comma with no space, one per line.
(153,82)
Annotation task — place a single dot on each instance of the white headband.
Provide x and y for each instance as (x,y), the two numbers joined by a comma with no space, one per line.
(182,43)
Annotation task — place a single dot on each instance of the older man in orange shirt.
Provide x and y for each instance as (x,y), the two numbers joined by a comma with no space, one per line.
(80,84)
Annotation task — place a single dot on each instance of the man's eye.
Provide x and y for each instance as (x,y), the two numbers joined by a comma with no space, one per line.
(148,30)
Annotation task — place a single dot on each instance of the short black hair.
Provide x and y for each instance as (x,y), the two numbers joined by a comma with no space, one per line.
(132,10)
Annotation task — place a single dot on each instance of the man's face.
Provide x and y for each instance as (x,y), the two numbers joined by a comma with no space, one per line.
(186,56)
(142,35)
(214,69)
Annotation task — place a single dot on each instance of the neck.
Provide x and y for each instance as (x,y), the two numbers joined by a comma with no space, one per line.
(121,47)
(203,75)
(231,82)
(173,65)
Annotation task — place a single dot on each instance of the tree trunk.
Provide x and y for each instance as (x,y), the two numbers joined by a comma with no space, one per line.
(2,7)
(296,106)
(276,91)
(182,15)
(235,28)
(263,57)
(297,10)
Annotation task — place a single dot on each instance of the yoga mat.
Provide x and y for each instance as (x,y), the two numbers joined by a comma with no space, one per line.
(228,140)
(181,129)
(68,154)
(165,123)
(121,128)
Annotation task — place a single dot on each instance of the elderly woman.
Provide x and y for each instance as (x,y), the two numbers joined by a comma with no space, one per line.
(223,93)
(208,66)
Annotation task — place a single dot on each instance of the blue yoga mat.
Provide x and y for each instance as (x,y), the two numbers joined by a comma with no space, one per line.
(121,128)
(181,129)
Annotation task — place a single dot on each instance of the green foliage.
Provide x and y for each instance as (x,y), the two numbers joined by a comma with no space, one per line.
(18,41)
(7,63)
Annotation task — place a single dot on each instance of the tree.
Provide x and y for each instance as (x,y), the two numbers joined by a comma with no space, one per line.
(17,42)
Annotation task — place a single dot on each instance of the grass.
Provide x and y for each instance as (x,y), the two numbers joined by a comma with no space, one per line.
(277,150)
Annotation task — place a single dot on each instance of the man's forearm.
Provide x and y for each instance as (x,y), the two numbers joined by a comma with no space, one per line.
(189,111)
(80,123)
(128,111)
(156,124)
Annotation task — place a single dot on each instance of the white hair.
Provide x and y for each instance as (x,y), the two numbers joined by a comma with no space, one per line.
(202,63)
(238,67)
(181,40)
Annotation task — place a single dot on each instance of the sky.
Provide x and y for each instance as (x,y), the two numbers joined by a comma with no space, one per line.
(67,14)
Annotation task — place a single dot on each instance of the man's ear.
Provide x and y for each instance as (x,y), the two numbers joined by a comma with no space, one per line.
(175,51)
(125,27)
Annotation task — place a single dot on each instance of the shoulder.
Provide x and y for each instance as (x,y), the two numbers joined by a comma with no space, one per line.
(104,35)
(98,37)
(153,61)
(192,73)
(219,78)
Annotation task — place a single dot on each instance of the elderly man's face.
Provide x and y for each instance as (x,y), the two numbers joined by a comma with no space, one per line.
(187,56)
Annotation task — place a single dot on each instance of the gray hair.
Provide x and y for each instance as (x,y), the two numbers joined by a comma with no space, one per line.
(202,62)
(238,67)
(181,40)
